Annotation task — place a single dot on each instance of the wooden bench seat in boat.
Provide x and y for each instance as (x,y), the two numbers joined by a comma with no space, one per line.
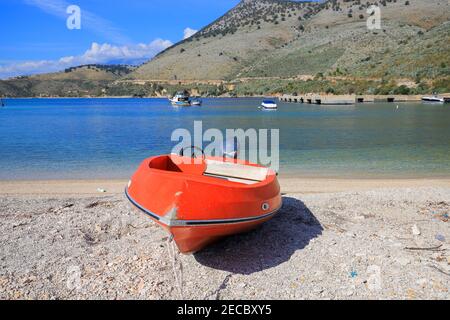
(230,171)
(235,172)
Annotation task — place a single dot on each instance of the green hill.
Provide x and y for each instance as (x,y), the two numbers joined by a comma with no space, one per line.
(87,80)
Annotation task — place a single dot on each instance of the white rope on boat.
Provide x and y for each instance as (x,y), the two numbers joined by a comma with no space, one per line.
(177,266)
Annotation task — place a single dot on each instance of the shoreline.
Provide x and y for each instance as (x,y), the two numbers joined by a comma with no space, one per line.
(283,98)
(132,97)
(298,185)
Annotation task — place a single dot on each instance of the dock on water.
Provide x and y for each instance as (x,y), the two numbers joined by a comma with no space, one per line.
(348,99)
(319,99)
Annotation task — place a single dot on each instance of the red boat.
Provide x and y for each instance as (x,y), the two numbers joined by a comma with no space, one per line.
(199,201)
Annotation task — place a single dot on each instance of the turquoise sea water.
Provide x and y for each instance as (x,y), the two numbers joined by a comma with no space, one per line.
(107,138)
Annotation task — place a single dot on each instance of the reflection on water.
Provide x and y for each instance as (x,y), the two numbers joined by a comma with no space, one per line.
(107,138)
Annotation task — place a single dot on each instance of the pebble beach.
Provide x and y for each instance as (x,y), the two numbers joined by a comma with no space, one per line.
(332,239)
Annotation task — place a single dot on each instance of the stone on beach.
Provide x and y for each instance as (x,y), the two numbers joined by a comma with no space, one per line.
(415,230)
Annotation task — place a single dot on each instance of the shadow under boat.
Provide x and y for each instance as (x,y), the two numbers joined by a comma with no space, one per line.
(266,247)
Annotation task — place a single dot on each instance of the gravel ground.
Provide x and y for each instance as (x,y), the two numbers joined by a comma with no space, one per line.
(386,243)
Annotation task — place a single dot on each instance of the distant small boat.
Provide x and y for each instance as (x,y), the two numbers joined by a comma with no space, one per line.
(269,105)
(181,99)
(196,101)
(433,99)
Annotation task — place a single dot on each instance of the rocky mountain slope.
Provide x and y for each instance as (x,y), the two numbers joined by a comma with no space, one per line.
(269,38)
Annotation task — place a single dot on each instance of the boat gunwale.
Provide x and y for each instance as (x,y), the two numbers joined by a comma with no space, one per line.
(271,176)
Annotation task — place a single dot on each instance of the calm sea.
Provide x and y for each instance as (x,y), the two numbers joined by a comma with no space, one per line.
(107,138)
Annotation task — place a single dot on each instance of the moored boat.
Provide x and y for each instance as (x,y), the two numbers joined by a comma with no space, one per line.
(269,105)
(196,101)
(199,201)
(433,98)
(181,99)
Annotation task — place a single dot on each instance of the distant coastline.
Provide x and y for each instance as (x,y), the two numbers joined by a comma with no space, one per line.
(40,87)
(129,97)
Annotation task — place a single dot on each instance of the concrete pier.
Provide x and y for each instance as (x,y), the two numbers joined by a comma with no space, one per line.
(319,99)
(347,99)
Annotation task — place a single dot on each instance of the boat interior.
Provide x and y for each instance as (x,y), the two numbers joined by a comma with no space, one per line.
(224,170)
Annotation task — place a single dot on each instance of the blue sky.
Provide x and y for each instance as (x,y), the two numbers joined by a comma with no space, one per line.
(35,38)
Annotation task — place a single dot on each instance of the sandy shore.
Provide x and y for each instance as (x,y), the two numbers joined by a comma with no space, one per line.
(288,185)
(333,238)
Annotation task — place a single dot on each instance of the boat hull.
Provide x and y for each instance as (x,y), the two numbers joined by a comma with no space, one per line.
(433,99)
(198,210)
(194,238)
(269,106)
(180,104)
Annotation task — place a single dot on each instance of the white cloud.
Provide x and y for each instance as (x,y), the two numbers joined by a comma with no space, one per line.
(96,54)
(188,32)
(105,53)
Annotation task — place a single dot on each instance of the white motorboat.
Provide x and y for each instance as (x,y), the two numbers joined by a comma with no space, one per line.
(269,105)
(433,99)
(196,101)
(181,99)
